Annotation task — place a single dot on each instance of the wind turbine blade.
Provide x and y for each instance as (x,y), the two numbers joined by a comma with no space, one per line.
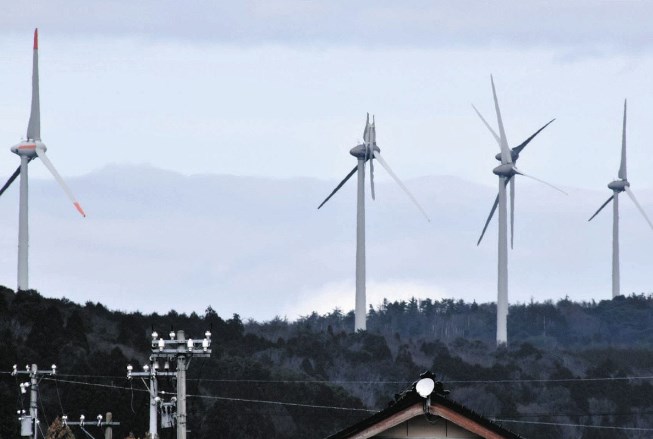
(366,131)
(353,171)
(48,164)
(601,208)
(370,154)
(34,125)
(622,168)
(489,218)
(632,197)
(505,149)
(372,176)
(541,181)
(11,180)
(518,149)
(512,212)
(383,163)
(494,134)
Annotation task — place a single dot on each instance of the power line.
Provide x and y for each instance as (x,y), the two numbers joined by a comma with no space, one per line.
(549,380)
(293,404)
(352,409)
(506,381)
(56,385)
(578,415)
(87,433)
(218,397)
(38,390)
(560,424)
(109,386)
(89,376)
(41,430)
(510,381)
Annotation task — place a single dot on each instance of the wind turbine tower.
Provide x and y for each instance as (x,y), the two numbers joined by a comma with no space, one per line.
(506,172)
(368,150)
(29,149)
(618,186)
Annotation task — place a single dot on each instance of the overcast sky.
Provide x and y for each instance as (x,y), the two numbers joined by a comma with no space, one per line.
(281,88)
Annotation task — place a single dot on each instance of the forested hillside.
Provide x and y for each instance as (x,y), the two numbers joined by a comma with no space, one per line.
(567,363)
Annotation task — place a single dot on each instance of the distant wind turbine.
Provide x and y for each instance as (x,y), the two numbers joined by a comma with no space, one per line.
(368,150)
(506,172)
(617,187)
(29,149)
(514,155)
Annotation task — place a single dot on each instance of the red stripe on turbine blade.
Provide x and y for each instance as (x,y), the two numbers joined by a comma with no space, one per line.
(36,39)
(79,209)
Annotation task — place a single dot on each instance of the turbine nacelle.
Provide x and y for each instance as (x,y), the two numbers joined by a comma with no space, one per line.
(514,155)
(619,185)
(507,170)
(28,148)
(363,151)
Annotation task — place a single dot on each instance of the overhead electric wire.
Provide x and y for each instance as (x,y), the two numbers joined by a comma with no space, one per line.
(507,381)
(56,386)
(352,409)
(109,386)
(131,401)
(41,430)
(578,415)
(89,376)
(38,391)
(498,381)
(87,433)
(561,424)
(197,387)
(293,404)
(549,380)
(216,397)
(318,406)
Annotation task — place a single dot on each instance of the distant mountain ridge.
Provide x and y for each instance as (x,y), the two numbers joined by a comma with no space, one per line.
(156,239)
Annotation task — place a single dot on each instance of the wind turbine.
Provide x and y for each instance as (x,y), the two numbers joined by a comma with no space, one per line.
(618,186)
(506,172)
(29,149)
(514,155)
(368,150)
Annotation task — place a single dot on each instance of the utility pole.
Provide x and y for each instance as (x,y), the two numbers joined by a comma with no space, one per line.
(151,371)
(181,350)
(30,423)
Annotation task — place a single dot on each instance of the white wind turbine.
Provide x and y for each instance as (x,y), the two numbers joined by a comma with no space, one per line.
(617,187)
(506,172)
(29,149)
(368,150)
(514,155)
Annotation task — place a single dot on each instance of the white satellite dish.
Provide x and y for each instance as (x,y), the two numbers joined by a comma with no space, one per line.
(424,387)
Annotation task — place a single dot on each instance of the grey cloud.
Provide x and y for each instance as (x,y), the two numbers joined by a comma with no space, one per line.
(579,26)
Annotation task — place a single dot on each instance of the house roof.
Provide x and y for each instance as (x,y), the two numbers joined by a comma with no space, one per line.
(410,404)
